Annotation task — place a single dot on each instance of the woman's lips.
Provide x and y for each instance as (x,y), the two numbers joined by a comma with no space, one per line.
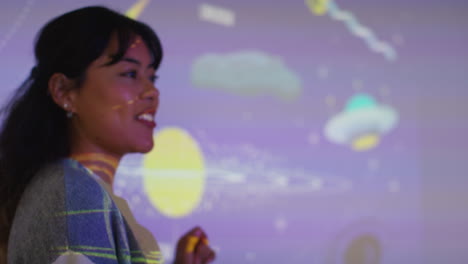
(150,124)
(147,118)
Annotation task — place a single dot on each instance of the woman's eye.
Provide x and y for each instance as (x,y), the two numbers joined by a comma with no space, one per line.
(153,78)
(131,74)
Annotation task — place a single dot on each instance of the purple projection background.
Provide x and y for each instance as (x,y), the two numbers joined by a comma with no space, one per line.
(289,130)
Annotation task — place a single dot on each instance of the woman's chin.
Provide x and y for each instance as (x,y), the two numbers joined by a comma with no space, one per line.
(144,147)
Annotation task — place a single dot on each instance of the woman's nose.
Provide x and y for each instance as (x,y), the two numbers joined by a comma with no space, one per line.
(151,93)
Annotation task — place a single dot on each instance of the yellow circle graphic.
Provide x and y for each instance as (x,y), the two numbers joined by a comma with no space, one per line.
(318,7)
(174,174)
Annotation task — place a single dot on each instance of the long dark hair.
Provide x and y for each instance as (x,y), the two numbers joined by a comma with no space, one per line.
(35,129)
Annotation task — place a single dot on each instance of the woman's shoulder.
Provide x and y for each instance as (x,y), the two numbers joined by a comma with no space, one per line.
(65,180)
(64,186)
(69,210)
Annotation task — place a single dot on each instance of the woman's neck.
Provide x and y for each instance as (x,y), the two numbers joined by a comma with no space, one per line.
(103,165)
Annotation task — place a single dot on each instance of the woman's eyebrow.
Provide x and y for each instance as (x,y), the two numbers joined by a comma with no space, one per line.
(128,59)
(131,60)
(135,61)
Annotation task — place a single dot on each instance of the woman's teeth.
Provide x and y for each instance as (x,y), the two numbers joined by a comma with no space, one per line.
(146,117)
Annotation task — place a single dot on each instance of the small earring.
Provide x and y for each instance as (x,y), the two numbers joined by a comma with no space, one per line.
(69,113)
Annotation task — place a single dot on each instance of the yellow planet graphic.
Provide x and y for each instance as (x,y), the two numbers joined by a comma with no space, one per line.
(174,174)
(318,7)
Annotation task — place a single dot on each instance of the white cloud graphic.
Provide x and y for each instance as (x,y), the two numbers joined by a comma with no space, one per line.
(246,73)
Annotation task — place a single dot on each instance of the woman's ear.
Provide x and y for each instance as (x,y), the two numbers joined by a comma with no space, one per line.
(62,92)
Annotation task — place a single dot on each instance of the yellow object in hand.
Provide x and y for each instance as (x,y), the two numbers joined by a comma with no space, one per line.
(192,243)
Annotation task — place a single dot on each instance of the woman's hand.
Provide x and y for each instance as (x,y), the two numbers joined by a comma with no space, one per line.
(193,248)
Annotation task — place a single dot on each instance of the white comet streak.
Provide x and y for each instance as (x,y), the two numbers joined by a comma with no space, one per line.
(361,31)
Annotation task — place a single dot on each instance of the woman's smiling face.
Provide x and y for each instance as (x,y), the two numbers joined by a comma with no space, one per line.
(115,106)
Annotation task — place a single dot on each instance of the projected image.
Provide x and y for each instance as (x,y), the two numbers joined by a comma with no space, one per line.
(285,129)
(21,13)
(246,73)
(362,123)
(174,173)
(217,15)
(321,7)
(360,242)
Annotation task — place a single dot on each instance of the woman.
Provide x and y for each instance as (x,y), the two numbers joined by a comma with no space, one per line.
(89,101)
